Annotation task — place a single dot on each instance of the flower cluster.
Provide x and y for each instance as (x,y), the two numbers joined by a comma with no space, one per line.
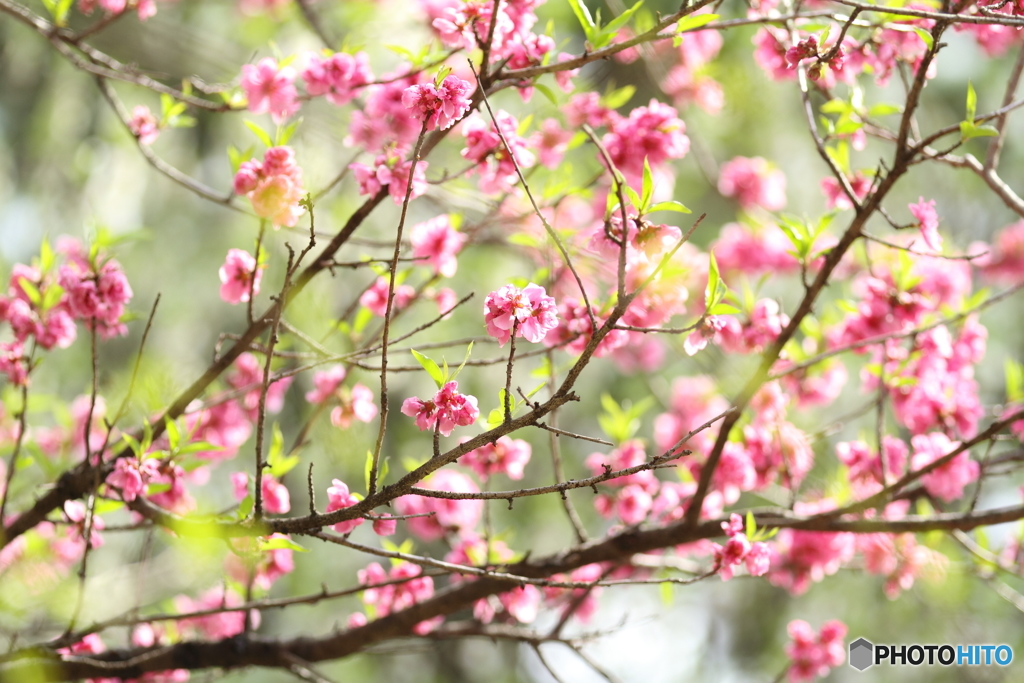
(439,105)
(813,655)
(447,410)
(528,312)
(738,550)
(239,277)
(274,186)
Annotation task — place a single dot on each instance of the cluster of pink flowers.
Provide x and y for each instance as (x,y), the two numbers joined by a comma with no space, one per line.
(384,121)
(899,558)
(654,132)
(753,182)
(239,276)
(247,375)
(384,600)
(447,410)
(754,251)
(437,242)
(130,476)
(802,557)
(443,515)
(529,312)
(375,297)
(337,76)
(484,147)
(505,456)
(947,481)
(814,655)
(634,499)
(739,550)
(1005,260)
(215,626)
(835,195)
(391,171)
(353,404)
(97,294)
(274,186)
(439,105)
(687,82)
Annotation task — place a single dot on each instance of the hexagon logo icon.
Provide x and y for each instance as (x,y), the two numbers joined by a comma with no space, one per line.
(861,654)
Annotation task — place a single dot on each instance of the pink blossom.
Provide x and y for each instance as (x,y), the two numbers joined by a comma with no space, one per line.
(215,626)
(754,251)
(385,526)
(144,125)
(247,374)
(97,296)
(338,76)
(236,276)
(397,596)
(449,515)
(529,310)
(339,498)
(770,55)
(326,383)
(627,455)
(758,560)
(274,186)
(356,404)
(130,477)
(802,557)
(446,299)
(1005,262)
(376,297)
(813,655)
(947,481)
(928,222)
(276,499)
(270,89)
(835,195)
(654,132)
(224,425)
(392,172)
(551,143)
(497,168)
(753,182)
(506,456)
(438,242)
(441,106)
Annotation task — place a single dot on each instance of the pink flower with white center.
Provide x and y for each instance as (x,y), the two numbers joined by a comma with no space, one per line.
(814,656)
(506,456)
(215,626)
(356,404)
(144,125)
(236,277)
(529,310)
(928,222)
(274,186)
(270,89)
(376,297)
(450,515)
(326,383)
(339,498)
(338,76)
(753,182)
(947,481)
(437,241)
(441,106)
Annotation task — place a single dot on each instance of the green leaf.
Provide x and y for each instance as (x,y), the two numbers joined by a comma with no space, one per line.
(885,110)
(279,543)
(836,106)
(52,297)
(631,194)
(46,256)
(723,309)
(613,99)
(259,133)
(280,464)
(692,22)
(368,467)
(496,417)
(547,93)
(926,36)
(1014,380)
(667,593)
(173,434)
(31,291)
(431,367)
(245,507)
(285,133)
(618,22)
(584,17)
(105,507)
(972,103)
(751,524)
(648,186)
(469,350)
(670,205)
(714,280)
